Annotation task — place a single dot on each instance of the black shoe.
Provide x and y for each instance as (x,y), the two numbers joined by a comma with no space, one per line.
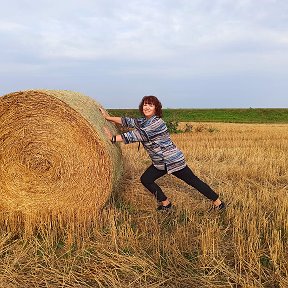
(221,207)
(164,208)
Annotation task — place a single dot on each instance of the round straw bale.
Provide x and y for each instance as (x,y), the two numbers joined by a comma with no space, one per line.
(54,155)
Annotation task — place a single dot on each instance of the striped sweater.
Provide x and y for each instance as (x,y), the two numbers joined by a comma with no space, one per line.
(154,136)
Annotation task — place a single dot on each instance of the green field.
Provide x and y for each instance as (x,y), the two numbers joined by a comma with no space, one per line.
(251,115)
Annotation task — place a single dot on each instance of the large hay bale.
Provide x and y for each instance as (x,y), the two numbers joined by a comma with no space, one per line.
(54,155)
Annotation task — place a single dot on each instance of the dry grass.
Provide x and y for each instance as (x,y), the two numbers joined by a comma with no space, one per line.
(133,246)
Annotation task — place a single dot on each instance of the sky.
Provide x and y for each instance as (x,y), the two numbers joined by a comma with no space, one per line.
(188,53)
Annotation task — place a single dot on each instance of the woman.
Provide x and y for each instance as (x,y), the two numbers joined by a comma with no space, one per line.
(152,132)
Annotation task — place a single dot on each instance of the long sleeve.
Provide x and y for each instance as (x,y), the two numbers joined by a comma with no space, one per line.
(136,135)
(144,130)
(131,122)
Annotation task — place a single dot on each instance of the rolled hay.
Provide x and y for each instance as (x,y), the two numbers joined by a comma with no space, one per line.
(56,164)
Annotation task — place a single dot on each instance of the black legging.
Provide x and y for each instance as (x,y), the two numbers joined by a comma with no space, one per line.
(185,174)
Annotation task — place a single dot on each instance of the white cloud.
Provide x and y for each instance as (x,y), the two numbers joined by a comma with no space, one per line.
(144,38)
(145,29)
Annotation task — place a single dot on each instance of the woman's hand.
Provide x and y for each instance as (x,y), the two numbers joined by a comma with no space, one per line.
(113,119)
(107,132)
(103,112)
(117,138)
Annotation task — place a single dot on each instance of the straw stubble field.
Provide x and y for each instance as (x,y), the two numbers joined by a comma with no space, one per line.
(133,246)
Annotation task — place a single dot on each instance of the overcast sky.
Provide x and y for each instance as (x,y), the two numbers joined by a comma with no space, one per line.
(189,53)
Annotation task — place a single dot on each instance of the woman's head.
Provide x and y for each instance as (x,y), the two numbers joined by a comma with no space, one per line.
(149,106)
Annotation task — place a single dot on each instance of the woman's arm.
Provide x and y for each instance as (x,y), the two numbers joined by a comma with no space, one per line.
(116,120)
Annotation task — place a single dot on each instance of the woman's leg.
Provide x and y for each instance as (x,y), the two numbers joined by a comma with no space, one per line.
(148,178)
(191,179)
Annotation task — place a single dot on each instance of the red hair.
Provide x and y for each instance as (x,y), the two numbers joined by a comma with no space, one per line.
(151,100)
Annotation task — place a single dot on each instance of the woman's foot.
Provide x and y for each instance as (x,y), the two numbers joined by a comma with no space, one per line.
(164,207)
(221,206)
(218,206)
(217,202)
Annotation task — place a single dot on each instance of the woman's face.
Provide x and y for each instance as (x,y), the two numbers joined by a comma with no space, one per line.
(149,110)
